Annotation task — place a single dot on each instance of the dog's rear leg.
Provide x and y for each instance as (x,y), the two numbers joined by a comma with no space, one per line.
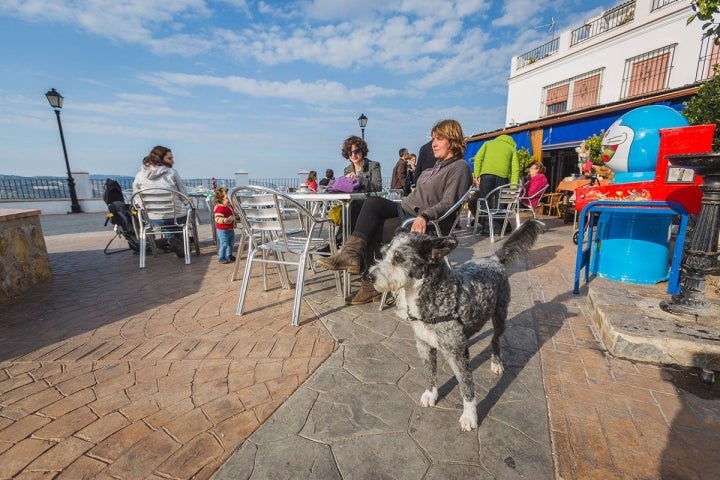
(460,364)
(428,355)
(498,321)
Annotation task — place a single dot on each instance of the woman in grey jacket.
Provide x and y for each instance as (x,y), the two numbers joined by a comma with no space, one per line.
(157,171)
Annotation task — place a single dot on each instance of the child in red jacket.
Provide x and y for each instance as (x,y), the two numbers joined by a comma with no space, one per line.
(225,223)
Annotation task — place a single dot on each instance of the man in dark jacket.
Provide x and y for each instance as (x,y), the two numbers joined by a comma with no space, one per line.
(400,170)
(425,160)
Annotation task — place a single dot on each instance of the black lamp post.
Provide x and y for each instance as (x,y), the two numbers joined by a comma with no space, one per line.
(362,121)
(56,101)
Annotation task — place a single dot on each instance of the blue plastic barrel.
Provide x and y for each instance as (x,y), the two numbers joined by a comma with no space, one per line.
(632,247)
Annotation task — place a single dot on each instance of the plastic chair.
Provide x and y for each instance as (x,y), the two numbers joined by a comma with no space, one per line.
(168,204)
(278,227)
(500,202)
(437,223)
(525,203)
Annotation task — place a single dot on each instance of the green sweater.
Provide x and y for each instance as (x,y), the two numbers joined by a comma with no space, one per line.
(498,157)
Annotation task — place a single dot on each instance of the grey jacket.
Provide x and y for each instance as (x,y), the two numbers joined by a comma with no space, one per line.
(369,177)
(435,193)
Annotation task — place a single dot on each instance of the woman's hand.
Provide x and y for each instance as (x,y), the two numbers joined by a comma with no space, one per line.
(419,225)
(351,175)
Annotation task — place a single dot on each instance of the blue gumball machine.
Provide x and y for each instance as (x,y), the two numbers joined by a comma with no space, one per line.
(632,247)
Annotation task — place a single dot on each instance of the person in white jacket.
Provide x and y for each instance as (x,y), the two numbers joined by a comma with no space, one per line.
(157,171)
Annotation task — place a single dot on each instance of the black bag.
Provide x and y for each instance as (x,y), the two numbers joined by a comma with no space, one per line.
(113,192)
(119,215)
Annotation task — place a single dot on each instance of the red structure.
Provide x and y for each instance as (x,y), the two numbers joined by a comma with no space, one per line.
(676,184)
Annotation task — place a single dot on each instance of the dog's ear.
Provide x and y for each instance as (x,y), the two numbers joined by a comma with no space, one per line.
(439,247)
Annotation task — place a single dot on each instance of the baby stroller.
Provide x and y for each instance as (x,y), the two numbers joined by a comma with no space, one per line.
(120,215)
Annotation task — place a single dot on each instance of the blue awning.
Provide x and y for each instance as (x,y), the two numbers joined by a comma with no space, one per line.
(566,134)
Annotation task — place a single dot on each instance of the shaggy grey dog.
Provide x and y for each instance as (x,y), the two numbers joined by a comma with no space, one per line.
(446,306)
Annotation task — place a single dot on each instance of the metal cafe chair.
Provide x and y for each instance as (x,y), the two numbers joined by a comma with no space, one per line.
(501,202)
(282,232)
(176,208)
(525,203)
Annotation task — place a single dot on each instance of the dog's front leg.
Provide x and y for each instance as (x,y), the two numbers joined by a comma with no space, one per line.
(460,363)
(428,355)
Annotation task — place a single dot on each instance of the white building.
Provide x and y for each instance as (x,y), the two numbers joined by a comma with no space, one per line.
(636,53)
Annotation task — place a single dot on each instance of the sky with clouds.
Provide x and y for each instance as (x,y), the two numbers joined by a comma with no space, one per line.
(266,87)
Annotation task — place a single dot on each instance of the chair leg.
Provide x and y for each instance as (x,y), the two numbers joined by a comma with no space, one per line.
(244,286)
(382,301)
(239,256)
(186,244)
(143,249)
(297,300)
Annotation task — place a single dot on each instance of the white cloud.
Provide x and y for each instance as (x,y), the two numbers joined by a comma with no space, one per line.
(318,92)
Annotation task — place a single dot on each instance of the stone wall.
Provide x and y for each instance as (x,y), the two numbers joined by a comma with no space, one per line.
(24,260)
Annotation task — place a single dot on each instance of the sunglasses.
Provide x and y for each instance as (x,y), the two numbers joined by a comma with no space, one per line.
(355,152)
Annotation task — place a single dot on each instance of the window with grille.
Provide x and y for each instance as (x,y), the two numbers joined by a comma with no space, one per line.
(572,94)
(714,59)
(709,56)
(557,98)
(647,73)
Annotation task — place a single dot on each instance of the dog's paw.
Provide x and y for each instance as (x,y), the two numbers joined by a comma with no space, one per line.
(496,366)
(468,419)
(468,422)
(429,398)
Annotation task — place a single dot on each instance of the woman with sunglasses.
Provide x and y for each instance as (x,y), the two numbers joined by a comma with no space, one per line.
(437,190)
(366,171)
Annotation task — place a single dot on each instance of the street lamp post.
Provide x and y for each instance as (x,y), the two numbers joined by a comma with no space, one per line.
(362,121)
(56,101)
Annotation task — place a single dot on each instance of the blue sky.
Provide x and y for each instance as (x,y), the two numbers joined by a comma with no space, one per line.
(267,87)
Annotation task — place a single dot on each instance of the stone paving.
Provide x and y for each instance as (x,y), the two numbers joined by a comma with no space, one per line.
(109,371)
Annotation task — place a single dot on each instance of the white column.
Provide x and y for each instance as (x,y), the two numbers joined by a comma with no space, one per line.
(241,178)
(83,186)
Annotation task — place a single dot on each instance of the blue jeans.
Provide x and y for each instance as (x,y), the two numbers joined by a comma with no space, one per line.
(226,239)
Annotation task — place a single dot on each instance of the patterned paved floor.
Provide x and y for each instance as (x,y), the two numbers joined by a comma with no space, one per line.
(110,371)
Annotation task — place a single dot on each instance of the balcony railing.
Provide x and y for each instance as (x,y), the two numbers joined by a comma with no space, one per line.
(537,53)
(610,19)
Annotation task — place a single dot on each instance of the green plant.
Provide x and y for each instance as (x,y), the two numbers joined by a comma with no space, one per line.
(525,160)
(593,144)
(706,10)
(704,107)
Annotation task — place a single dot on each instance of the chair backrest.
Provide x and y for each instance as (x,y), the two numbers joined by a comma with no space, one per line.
(163,203)
(505,196)
(447,222)
(531,201)
(264,211)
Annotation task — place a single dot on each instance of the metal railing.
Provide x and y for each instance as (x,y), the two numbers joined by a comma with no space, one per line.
(538,53)
(33,188)
(41,188)
(661,3)
(612,18)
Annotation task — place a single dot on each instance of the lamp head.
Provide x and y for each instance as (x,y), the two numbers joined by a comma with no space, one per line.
(55,99)
(362,120)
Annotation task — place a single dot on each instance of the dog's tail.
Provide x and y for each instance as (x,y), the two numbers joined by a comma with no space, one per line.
(519,242)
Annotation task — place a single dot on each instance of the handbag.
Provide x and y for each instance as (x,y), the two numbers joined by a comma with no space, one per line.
(345,185)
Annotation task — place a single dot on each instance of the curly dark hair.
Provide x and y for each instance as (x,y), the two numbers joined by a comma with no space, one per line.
(354,141)
(156,155)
